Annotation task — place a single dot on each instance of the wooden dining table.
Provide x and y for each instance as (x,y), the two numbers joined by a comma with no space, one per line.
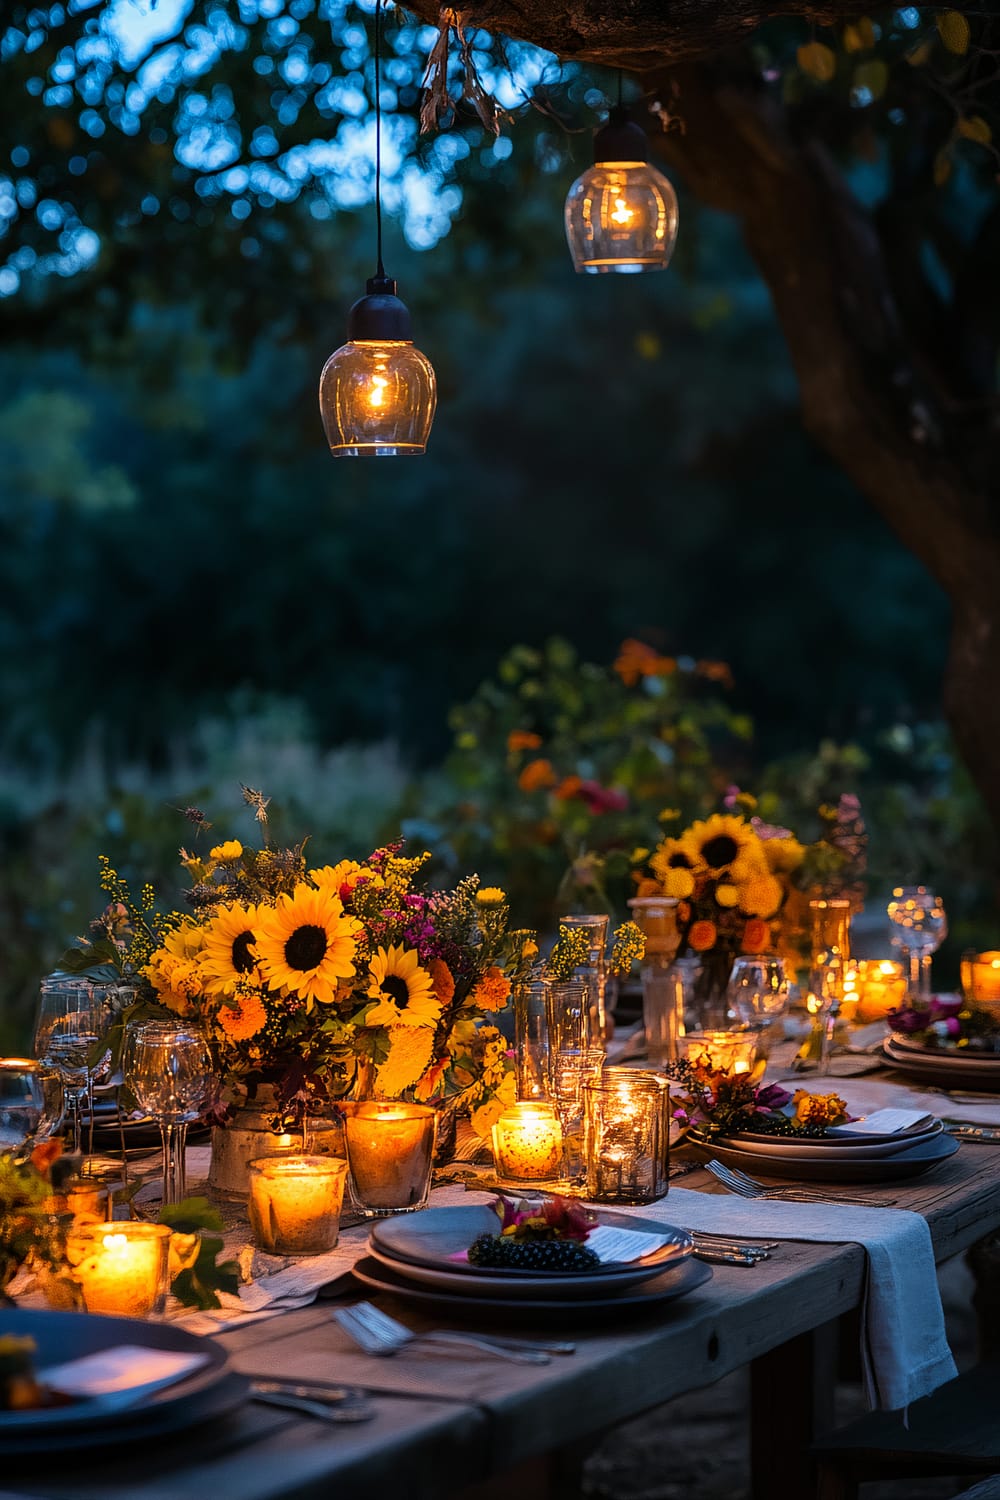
(448,1425)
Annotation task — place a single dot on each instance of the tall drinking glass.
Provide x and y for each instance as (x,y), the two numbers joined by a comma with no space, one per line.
(30,1101)
(918,926)
(594,973)
(72,1016)
(168,1068)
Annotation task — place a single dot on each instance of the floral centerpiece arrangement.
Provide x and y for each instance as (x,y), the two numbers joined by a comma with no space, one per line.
(320,979)
(732,874)
(718,1103)
(949,1024)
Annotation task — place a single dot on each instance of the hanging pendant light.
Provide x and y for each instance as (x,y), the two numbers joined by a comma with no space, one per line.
(621,214)
(377,392)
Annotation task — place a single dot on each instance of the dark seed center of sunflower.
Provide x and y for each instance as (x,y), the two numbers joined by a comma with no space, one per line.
(306,948)
(242,957)
(679,860)
(397,989)
(719,851)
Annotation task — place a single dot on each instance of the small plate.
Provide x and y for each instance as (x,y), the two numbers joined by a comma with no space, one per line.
(60,1337)
(567,1286)
(920,1157)
(683,1278)
(968,1057)
(857,1149)
(941,1068)
(431,1238)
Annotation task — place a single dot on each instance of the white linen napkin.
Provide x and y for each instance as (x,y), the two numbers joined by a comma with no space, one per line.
(904,1352)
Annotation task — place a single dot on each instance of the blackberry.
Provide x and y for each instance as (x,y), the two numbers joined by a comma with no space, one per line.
(501,1252)
(781,1125)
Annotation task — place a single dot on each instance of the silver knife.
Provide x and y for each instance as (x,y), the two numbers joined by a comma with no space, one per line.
(962,1132)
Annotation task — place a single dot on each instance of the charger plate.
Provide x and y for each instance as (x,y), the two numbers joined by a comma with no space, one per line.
(821,1167)
(684,1277)
(207,1393)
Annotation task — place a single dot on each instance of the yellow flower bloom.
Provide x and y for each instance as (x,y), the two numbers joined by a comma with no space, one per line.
(715,844)
(674,869)
(783,855)
(228,954)
(727,895)
(305,943)
(485,1117)
(230,850)
(819,1109)
(404,991)
(343,877)
(491,895)
(174,969)
(243,1019)
(411,1049)
(761,897)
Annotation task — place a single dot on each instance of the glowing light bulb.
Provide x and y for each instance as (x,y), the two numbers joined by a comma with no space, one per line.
(621,214)
(377,394)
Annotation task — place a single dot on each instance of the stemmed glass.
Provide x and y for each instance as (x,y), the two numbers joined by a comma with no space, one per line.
(757,993)
(168,1068)
(72,1016)
(30,1101)
(918,926)
(826,990)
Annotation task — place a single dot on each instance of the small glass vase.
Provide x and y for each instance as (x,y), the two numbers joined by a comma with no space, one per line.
(594,973)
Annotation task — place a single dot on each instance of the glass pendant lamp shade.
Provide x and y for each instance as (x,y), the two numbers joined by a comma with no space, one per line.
(621,214)
(377,393)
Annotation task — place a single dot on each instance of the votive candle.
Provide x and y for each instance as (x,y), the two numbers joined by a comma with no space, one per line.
(390,1151)
(120,1269)
(623,1124)
(729,1051)
(981,979)
(295,1203)
(872,988)
(527,1143)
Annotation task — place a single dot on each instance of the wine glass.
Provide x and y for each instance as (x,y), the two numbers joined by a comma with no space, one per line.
(30,1101)
(71,1019)
(168,1067)
(757,994)
(918,926)
(826,991)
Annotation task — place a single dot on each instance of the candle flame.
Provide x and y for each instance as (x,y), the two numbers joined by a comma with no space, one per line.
(622,214)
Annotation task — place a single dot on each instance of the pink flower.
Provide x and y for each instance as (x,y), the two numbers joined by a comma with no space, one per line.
(602,799)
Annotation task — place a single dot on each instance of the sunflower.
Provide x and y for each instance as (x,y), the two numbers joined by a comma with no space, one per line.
(404,991)
(411,1050)
(242,1019)
(717,843)
(305,943)
(674,868)
(228,954)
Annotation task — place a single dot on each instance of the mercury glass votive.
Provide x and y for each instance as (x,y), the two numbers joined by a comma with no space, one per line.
(390,1151)
(981,980)
(527,1143)
(623,1148)
(295,1203)
(119,1269)
(734,1051)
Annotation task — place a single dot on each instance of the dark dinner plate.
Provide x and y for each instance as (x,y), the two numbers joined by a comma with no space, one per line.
(921,1157)
(207,1392)
(942,1069)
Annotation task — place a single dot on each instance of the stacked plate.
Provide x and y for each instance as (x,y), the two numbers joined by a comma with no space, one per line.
(845,1154)
(419,1257)
(937,1065)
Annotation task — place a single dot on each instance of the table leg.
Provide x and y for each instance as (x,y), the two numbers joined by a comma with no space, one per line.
(983,1260)
(791,1404)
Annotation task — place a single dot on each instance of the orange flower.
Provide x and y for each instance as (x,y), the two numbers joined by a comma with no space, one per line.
(716,671)
(244,1020)
(523,739)
(492,990)
(45,1154)
(702,936)
(636,659)
(536,775)
(428,1085)
(755,935)
(441,977)
(569,787)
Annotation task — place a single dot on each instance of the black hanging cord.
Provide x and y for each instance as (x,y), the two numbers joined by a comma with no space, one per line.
(380,272)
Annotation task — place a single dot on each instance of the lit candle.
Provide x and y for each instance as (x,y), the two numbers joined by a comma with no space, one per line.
(731,1051)
(623,1141)
(295,1203)
(390,1151)
(527,1143)
(119,1269)
(981,979)
(875,986)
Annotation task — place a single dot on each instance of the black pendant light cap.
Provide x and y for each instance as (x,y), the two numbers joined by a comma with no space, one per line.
(380,315)
(621,139)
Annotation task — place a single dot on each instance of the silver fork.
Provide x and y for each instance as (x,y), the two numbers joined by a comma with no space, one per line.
(376,1333)
(747,1187)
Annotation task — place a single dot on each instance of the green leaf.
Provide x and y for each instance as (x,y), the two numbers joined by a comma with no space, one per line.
(190,1215)
(954,31)
(817,61)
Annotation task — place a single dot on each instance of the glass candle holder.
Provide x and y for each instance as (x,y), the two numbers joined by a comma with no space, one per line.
(666,1116)
(531,1040)
(119,1269)
(527,1143)
(623,1139)
(872,988)
(390,1151)
(295,1203)
(981,980)
(567,1016)
(734,1051)
(571,1068)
